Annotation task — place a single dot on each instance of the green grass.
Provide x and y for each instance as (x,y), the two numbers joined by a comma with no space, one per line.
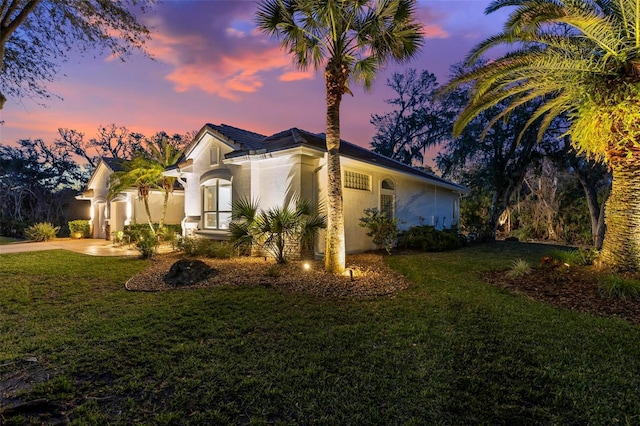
(450,350)
(8,240)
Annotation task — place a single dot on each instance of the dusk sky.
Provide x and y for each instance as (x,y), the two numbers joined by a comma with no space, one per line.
(211,65)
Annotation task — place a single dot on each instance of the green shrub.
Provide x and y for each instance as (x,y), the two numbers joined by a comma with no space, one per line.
(586,256)
(428,238)
(524,233)
(519,268)
(619,287)
(383,229)
(274,271)
(79,228)
(43,231)
(578,257)
(146,243)
(169,233)
(204,247)
(136,231)
(13,228)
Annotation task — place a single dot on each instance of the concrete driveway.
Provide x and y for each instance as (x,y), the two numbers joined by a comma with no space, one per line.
(90,246)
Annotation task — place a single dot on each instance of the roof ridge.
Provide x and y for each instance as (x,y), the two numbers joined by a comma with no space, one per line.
(237,128)
(297,137)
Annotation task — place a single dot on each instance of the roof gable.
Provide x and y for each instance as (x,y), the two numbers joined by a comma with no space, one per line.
(236,138)
(111,164)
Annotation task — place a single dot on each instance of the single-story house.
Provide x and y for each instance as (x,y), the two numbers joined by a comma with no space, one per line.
(110,215)
(225,163)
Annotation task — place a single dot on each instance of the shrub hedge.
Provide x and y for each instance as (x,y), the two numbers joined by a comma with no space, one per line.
(428,238)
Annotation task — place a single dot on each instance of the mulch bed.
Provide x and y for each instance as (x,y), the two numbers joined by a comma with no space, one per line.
(366,276)
(574,288)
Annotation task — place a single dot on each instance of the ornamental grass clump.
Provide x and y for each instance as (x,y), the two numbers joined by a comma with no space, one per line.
(519,268)
(615,286)
(578,257)
(43,231)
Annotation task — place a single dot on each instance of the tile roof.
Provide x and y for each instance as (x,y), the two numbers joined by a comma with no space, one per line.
(296,137)
(250,142)
(243,137)
(115,164)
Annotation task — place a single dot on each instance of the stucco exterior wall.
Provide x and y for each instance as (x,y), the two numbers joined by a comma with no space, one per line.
(276,178)
(98,211)
(416,202)
(277,181)
(108,216)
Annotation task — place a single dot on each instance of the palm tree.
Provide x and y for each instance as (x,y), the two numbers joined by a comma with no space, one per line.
(145,172)
(582,58)
(139,173)
(163,154)
(349,40)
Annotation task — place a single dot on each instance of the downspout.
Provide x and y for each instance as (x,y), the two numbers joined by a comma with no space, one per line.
(183,222)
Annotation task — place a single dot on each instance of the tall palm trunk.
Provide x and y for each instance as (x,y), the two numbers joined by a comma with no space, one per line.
(148,210)
(621,245)
(334,260)
(165,205)
(167,186)
(143,192)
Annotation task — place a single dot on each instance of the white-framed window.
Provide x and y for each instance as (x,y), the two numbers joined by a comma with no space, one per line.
(355,180)
(388,198)
(214,156)
(455,208)
(216,206)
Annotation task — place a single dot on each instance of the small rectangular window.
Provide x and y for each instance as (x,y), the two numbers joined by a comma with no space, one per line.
(356,180)
(214,154)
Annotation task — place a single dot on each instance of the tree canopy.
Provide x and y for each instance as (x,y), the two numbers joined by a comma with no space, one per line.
(37,35)
(419,119)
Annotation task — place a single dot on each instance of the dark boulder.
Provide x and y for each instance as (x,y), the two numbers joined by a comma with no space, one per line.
(188,272)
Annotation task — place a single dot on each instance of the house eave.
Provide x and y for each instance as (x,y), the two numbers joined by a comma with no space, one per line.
(263,154)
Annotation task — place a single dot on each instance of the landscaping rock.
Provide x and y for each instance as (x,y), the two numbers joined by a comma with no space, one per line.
(188,272)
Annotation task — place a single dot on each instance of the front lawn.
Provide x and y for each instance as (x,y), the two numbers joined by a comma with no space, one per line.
(449,350)
(8,240)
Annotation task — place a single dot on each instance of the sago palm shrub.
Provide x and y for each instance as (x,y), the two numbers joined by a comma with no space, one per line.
(279,231)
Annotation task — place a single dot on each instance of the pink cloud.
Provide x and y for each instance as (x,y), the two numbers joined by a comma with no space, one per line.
(225,57)
(297,75)
(233,32)
(228,76)
(434,31)
(219,51)
(432,23)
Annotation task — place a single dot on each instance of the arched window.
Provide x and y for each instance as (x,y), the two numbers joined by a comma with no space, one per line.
(388,198)
(216,205)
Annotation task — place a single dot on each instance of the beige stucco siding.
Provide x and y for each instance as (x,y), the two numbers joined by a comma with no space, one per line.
(416,202)
(279,181)
(138,214)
